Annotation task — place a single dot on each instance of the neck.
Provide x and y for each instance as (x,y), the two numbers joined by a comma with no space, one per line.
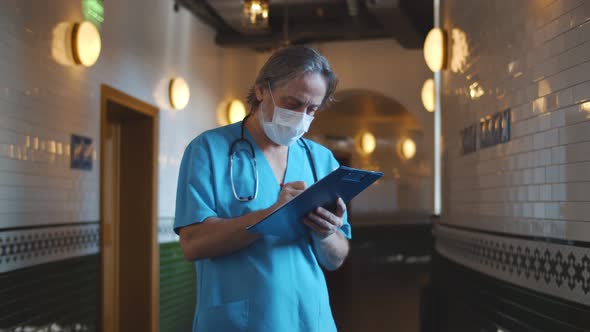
(264,143)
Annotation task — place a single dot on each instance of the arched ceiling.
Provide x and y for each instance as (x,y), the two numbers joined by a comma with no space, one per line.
(355,111)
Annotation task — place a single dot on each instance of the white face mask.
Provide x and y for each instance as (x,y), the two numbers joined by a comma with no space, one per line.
(287,126)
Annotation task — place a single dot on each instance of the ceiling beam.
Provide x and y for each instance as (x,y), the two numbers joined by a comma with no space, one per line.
(299,34)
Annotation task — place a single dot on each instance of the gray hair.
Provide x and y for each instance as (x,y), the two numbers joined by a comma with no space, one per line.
(288,63)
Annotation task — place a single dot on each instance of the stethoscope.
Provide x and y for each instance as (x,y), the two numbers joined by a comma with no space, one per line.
(232,152)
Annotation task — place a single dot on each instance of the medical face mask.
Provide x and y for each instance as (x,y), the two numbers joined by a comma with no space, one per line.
(287,126)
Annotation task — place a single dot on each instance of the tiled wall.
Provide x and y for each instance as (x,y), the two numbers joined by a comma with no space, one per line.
(532,57)
(177,289)
(42,102)
(48,211)
(61,296)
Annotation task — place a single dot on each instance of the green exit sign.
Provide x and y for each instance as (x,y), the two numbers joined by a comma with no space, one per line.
(93,11)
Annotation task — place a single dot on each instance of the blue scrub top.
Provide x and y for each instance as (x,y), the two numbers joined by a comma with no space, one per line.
(272,284)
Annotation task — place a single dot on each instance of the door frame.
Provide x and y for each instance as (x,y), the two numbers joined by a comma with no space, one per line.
(109,94)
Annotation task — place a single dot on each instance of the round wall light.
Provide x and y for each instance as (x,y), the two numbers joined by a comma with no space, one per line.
(236,111)
(407,148)
(86,43)
(179,93)
(428,95)
(367,142)
(435,51)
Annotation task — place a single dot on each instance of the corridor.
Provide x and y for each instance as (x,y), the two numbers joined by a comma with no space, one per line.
(475,116)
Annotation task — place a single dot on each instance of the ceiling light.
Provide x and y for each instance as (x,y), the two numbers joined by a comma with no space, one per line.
(255,14)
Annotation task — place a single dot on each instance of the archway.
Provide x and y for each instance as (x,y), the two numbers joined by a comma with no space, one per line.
(406,189)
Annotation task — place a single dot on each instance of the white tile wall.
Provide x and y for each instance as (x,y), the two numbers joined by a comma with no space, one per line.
(42,102)
(534,58)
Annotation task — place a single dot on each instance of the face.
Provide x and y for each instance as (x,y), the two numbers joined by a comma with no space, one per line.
(304,93)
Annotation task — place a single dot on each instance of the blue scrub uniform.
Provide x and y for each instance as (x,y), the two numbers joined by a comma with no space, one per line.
(272,284)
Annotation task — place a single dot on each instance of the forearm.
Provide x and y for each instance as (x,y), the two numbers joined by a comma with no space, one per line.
(216,237)
(331,251)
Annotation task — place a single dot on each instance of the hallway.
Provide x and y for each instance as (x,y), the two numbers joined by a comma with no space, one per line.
(477,113)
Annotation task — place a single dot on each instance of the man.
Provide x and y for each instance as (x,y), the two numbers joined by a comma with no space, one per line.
(246,282)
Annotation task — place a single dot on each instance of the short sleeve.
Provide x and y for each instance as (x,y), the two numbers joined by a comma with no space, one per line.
(195,200)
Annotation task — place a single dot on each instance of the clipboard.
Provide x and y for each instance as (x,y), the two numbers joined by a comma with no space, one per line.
(286,221)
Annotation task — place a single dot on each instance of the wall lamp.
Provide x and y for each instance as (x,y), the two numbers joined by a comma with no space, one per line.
(179,93)
(435,49)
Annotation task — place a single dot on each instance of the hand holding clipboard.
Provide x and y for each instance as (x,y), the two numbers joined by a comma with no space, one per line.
(344,182)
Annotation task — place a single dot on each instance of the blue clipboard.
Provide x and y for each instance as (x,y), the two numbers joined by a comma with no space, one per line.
(286,222)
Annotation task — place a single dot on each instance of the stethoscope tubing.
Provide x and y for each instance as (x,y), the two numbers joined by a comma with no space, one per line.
(252,151)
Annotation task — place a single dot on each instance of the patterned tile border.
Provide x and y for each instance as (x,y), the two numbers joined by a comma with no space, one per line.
(554,269)
(28,247)
(20,248)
